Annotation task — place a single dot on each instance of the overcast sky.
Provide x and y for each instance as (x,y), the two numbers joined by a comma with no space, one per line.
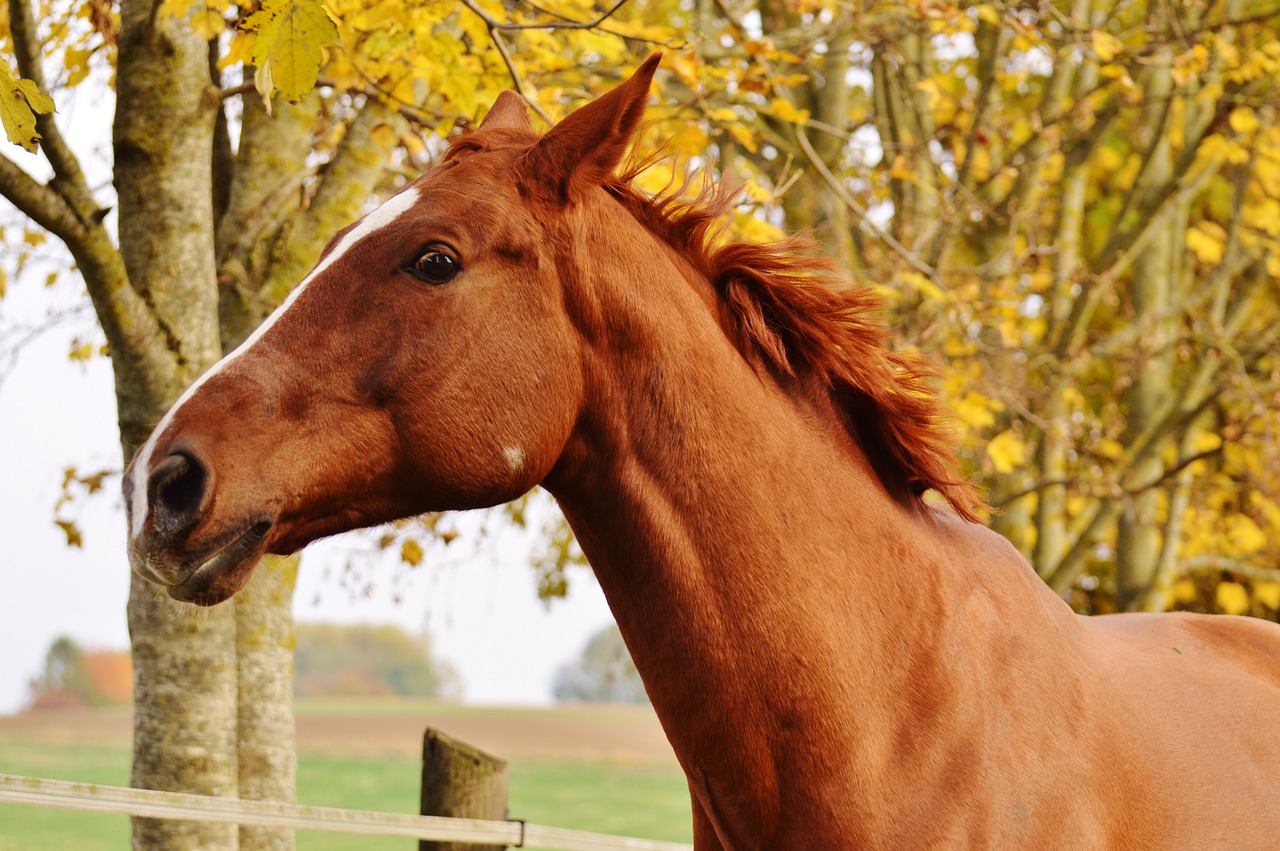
(482,611)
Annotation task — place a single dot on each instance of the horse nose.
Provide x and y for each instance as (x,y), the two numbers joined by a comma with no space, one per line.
(177,489)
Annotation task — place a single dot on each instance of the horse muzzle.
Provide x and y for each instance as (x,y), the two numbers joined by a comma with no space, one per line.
(165,551)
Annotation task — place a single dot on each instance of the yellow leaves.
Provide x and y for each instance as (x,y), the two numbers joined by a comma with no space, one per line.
(685,66)
(743,137)
(988,14)
(1243,120)
(1105,46)
(72,531)
(1263,215)
(411,552)
(1111,449)
(924,286)
(977,411)
(1232,598)
(291,37)
(1267,593)
(1188,66)
(1244,534)
(787,111)
(20,101)
(208,24)
(1184,591)
(1007,451)
(1207,241)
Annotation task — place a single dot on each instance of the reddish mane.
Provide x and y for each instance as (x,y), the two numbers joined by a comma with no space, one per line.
(799,315)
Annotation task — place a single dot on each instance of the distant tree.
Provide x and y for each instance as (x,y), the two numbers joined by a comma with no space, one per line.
(604,673)
(74,677)
(366,660)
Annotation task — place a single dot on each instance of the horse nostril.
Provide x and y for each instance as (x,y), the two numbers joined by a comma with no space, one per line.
(177,488)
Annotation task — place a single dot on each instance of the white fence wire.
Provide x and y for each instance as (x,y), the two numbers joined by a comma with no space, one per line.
(91,797)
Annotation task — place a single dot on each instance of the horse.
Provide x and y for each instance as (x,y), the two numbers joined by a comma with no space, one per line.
(841,655)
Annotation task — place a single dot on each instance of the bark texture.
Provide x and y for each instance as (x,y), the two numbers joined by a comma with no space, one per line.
(265,641)
(184,668)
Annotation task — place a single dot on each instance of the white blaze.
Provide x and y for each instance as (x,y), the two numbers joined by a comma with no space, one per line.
(384,215)
(515,457)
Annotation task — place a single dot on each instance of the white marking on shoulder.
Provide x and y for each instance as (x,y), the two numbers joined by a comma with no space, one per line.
(515,457)
(382,216)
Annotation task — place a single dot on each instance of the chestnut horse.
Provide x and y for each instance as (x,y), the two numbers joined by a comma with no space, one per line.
(837,662)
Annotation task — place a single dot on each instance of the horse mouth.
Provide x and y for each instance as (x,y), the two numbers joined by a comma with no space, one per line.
(220,575)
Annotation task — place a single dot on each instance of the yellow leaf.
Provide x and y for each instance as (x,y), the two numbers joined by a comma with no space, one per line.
(1268,593)
(1206,441)
(756,192)
(1110,449)
(69,528)
(1232,598)
(988,13)
(240,50)
(411,553)
(1273,265)
(926,287)
(1243,120)
(685,66)
(1006,451)
(20,101)
(975,410)
(1184,591)
(208,24)
(742,136)
(1244,535)
(787,111)
(724,113)
(1105,45)
(289,47)
(900,170)
(1207,242)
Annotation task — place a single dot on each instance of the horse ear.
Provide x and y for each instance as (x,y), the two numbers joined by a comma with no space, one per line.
(508,111)
(584,149)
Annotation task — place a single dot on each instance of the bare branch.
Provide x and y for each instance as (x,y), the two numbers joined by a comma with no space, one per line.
(1216,564)
(861,212)
(495,28)
(38,202)
(566,23)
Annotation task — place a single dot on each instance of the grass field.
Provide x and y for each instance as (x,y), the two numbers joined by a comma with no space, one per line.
(627,795)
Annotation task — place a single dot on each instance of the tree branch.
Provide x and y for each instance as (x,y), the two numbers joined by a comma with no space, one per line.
(38,202)
(861,212)
(69,179)
(1215,564)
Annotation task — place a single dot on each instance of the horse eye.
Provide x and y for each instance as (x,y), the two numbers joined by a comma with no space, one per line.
(434,266)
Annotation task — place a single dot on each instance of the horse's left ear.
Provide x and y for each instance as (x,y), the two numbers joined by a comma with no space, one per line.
(508,110)
(583,150)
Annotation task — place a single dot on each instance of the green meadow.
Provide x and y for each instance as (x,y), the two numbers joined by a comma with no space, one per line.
(642,798)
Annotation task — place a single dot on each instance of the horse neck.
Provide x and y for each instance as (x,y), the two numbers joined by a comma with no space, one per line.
(763,577)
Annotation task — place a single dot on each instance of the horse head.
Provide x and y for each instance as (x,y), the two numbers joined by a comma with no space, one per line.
(426,363)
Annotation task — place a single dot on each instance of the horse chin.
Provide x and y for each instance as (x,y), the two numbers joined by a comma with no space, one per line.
(222,574)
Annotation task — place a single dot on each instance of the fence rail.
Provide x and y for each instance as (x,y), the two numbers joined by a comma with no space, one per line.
(91,797)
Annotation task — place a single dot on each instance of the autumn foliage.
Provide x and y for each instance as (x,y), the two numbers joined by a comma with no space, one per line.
(1075,204)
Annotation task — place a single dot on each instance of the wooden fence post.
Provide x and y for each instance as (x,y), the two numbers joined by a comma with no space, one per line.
(462,782)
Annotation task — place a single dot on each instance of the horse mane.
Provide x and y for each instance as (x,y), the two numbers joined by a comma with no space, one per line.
(794,311)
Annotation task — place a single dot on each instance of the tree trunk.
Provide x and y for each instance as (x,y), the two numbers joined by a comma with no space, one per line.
(264,664)
(1138,536)
(184,669)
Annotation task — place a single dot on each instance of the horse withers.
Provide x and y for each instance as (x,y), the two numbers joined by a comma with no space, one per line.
(837,662)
